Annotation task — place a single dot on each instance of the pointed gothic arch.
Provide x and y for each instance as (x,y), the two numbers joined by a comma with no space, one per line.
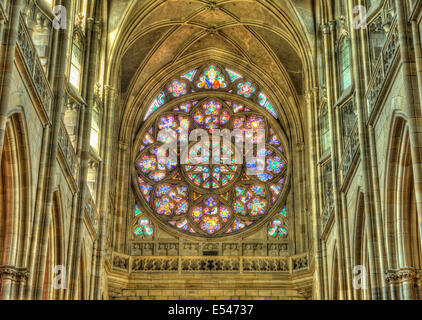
(335,280)
(359,245)
(16,200)
(403,239)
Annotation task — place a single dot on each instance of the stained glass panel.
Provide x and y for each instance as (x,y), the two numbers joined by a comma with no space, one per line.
(190,75)
(213,198)
(156,104)
(233,75)
(212,79)
(264,102)
(178,89)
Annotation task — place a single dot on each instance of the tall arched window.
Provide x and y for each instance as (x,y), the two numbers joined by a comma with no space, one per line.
(325,137)
(76,62)
(216,196)
(345,65)
(95,128)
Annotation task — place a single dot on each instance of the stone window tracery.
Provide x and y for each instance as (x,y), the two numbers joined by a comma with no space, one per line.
(211,78)
(213,198)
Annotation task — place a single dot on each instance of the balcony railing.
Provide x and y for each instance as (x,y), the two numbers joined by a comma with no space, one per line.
(91,209)
(382,68)
(69,153)
(287,265)
(328,208)
(34,66)
(351,147)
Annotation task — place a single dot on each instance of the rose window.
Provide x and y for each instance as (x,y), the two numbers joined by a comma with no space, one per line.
(217,196)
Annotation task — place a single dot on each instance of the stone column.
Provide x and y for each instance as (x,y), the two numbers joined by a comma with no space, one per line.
(75,246)
(359,81)
(312,107)
(43,220)
(406,280)
(12,279)
(329,51)
(123,166)
(105,186)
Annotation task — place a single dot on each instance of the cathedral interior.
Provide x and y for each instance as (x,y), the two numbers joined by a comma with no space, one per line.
(89,211)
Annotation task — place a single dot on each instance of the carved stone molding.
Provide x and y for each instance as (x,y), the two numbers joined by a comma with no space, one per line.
(212,5)
(14,273)
(168,248)
(212,30)
(300,263)
(404,275)
(306,292)
(325,29)
(120,262)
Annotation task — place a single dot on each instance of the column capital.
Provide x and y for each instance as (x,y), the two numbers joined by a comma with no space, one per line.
(14,273)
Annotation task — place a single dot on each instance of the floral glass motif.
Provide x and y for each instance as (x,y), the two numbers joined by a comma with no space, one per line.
(250,200)
(212,79)
(178,89)
(211,199)
(171,200)
(278,227)
(144,227)
(153,169)
(245,89)
(210,215)
(212,116)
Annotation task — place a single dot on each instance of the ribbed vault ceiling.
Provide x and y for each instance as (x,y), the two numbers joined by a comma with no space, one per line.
(165,32)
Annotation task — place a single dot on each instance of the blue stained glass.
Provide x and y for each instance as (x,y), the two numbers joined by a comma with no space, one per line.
(211,202)
(264,177)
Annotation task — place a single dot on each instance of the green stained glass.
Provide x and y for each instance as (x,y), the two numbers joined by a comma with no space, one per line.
(190,75)
(233,75)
